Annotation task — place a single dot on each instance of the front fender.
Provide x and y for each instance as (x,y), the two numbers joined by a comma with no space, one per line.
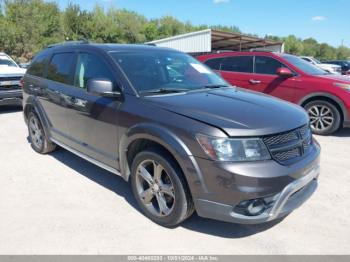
(172,143)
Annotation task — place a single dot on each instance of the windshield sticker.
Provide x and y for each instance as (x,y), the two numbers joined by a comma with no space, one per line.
(201,69)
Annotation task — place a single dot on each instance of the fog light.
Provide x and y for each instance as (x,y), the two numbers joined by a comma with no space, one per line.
(256,207)
(252,207)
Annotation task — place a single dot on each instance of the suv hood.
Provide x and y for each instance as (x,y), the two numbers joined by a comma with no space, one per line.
(11,71)
(235,111)
(329,65)
(335,78)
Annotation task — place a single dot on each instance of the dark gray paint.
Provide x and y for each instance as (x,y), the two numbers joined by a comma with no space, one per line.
(103,128)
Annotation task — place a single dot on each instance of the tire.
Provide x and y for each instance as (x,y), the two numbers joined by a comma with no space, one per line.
(171,188)
(37,136)
(325,118)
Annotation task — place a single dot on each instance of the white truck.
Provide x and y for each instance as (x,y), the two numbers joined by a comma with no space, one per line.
(10,78)
(330,68)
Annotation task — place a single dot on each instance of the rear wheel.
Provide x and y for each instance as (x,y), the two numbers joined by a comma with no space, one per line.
(38,138)
(325,118)
(160,188)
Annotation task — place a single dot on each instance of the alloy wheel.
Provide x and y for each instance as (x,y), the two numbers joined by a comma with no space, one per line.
(321,117)
(36,133)
(155,188)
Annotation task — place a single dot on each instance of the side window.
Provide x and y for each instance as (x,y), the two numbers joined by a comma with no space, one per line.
(214,63)
(60,68)
(266,65)
(243,64)
(38,65)
(90,66)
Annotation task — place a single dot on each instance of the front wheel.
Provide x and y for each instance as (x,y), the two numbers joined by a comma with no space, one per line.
(325,118)
(160,188)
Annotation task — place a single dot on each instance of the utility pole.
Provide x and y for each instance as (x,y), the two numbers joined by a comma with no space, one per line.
(342,42)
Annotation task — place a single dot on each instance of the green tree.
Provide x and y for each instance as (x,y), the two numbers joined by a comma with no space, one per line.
(343,53)
(326,52)
(293,45)
(75,22)
(170,26)
(29,26)
(229,29)
(131,26)
(151,30)
(102,28)
(310,47)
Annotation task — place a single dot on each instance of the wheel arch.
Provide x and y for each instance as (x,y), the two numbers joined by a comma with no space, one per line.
(327,97)
(146,135)
(32,105)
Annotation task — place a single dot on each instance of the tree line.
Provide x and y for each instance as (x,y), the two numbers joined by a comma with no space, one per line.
(27,26)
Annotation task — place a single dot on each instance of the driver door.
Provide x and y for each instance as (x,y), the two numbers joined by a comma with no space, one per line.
(266,80)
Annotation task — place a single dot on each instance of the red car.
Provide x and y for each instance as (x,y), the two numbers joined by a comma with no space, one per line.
(325,97)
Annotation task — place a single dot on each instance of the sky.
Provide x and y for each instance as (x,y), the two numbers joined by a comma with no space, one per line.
(325,20)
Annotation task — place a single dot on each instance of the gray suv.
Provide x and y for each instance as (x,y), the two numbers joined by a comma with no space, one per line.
(184,138)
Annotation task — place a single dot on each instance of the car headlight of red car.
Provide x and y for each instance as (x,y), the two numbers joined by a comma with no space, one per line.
(343,86)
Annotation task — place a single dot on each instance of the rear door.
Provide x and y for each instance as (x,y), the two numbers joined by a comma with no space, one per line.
(52,98)
(92,120)
(237,70)
(266,80)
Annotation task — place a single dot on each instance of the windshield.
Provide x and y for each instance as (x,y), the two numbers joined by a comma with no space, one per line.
(304,66)
(165,70)
(317,61)
(4,61)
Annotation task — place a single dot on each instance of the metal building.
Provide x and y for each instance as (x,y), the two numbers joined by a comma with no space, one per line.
(213,40)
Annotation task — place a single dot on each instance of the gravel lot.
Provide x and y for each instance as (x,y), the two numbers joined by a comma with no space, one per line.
(61,204)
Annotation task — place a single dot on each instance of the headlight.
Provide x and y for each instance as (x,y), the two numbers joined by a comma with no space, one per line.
(226,149)
(344,86)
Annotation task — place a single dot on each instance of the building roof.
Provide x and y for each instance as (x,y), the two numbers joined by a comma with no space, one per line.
(212,40)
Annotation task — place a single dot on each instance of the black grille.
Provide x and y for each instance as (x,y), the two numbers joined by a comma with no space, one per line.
(280,139)
(10,78)
(291,146)
(9,87)
(287,155)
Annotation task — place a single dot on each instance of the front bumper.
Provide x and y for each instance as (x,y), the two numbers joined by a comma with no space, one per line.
(289,186)
(11,97)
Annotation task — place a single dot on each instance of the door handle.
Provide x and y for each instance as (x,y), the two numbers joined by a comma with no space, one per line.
(254,82)
(78,102)
(34,88)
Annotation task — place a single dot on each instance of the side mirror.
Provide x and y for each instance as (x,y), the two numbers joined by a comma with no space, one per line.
(284,72)
(102,87)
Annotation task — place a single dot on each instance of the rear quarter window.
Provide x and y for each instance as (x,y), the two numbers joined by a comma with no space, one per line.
(37,66)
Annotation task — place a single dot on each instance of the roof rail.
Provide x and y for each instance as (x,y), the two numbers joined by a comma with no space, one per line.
(222,51)
(261,50)
(79,42)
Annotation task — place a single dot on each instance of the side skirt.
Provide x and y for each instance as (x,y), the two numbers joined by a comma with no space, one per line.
(87,158)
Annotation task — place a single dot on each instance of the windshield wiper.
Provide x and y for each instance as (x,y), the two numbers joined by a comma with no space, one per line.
(167,90)
(215,86)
